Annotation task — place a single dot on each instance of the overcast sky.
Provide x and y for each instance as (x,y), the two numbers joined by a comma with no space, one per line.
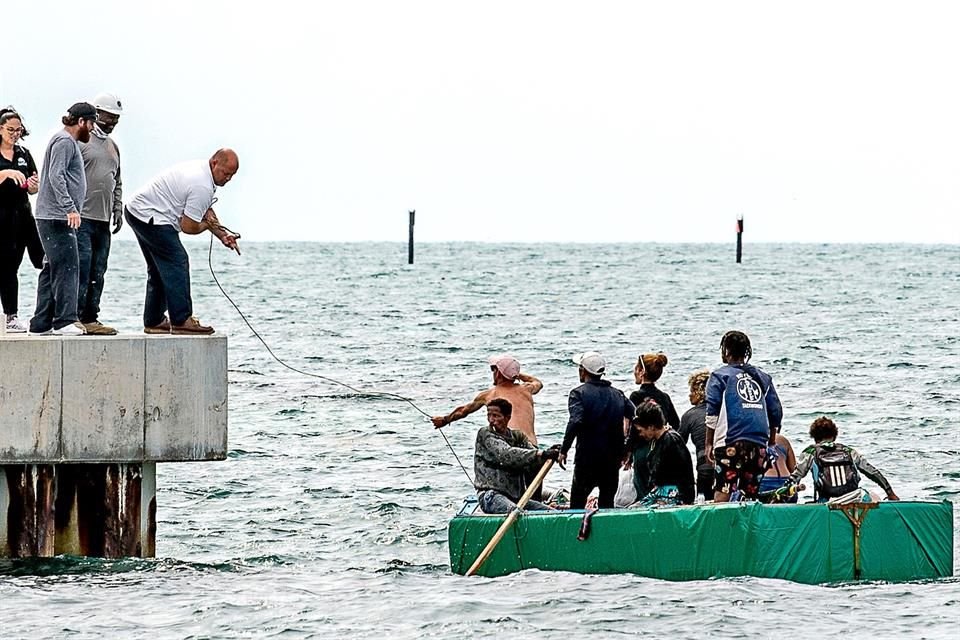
(524,121)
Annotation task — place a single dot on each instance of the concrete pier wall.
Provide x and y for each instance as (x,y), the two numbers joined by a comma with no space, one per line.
(83,422)
(113,399)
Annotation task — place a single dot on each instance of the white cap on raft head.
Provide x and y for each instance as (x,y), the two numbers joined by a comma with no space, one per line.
(592,362)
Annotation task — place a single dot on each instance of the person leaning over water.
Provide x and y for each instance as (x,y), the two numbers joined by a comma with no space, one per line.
(63,188)
(669,466)
(179,199)
(835,466)
(18,230)
(599,414)
(693,426)
(502,459)
(508,383)
(743,417)
(101,163)
(646,372)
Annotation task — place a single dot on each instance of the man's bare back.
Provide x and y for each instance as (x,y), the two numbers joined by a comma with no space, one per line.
(518,391)
(521,397)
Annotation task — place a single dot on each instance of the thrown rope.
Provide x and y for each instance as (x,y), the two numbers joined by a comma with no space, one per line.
(359,392)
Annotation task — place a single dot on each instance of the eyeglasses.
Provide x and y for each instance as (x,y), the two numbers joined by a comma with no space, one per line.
(13,131)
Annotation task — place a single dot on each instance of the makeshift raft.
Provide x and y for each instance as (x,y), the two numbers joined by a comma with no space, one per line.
(809,543)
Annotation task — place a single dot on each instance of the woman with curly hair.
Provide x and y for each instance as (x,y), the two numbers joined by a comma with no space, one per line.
(693,426)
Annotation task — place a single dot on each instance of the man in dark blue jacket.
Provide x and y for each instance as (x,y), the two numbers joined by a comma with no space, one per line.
(599,416)
(743,418)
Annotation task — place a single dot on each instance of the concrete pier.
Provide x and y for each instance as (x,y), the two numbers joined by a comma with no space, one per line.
(84,421)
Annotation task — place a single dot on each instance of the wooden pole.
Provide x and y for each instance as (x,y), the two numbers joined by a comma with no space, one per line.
(413,213)
(739,237)
(856,513)
(498,536)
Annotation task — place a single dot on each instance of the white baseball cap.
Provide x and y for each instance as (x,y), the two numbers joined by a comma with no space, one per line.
(592,362)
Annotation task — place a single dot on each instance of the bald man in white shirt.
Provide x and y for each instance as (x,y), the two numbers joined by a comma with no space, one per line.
(179,199)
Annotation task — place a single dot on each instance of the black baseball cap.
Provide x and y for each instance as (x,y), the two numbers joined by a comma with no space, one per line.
(83,110)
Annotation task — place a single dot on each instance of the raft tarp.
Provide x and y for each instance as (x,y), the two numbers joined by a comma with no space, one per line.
(809,543)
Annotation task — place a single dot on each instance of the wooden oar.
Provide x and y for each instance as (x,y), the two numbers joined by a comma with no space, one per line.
(498,536)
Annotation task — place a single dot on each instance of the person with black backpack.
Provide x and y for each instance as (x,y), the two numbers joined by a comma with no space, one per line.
(836,467)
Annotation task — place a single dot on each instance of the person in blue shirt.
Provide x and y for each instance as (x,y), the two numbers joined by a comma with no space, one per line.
(743,418)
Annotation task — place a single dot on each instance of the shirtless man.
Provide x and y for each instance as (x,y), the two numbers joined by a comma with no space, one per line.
(511,385)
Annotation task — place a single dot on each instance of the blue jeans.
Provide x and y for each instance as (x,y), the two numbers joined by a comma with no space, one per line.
(93,246)
(495,502)
(168,272)
(59,278)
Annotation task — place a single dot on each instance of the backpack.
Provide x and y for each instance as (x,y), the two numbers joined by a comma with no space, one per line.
(836,472)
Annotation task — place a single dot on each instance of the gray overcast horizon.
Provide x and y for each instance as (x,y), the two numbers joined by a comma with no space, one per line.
(524,121)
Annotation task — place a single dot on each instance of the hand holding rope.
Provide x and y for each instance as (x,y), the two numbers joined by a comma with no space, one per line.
(227,236)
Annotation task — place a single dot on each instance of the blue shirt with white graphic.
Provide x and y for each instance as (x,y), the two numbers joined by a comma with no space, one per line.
(744,403)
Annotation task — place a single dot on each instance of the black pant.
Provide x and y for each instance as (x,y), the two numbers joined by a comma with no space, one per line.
(59,278)
(705,482)
(93,245)
(18,232)
(588,476)
(168,272)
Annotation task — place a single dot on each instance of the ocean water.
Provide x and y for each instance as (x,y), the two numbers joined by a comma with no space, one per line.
(329,517)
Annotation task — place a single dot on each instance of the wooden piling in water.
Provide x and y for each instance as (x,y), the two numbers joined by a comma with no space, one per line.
(739,238)
(413,213)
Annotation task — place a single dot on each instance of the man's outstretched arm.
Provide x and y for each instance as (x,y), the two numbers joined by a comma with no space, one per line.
(461,412)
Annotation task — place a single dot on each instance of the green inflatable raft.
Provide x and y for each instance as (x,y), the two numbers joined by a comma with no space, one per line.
(809,543)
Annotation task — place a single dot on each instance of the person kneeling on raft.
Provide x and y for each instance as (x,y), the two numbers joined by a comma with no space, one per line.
(835,466)
(503,459)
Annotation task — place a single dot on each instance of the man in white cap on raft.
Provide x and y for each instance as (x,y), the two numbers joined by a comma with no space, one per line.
(599,413)
(510,384)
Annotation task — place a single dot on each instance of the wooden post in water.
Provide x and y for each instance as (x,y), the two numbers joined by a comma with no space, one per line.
(413,213)
(739,237)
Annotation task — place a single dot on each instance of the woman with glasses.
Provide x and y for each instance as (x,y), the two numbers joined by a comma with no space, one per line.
(18,230)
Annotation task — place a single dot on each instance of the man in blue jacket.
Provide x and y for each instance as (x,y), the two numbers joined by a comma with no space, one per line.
(599,414)
(743,418)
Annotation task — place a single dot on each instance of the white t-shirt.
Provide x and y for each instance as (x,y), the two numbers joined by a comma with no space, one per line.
(186,189)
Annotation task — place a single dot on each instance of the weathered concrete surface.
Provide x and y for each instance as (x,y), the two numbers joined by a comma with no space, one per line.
(113,399)
(30,400)
(103,388)
(186,414)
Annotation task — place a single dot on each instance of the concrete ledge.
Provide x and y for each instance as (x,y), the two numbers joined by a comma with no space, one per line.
(115,399)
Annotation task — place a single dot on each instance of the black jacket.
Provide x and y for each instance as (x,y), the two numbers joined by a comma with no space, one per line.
(597,410)
(670,463)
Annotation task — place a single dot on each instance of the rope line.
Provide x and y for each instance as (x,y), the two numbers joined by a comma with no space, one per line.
(359,392)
